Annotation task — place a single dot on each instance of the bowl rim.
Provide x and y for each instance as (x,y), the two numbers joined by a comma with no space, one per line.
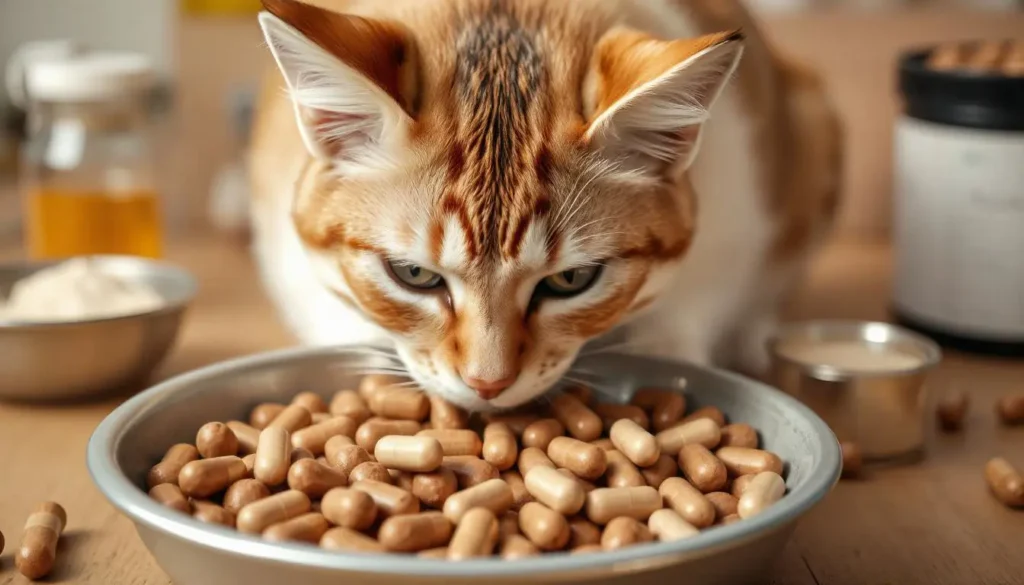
(133,502)
(190,283)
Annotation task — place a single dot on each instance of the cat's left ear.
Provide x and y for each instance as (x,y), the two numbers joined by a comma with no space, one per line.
(647,98)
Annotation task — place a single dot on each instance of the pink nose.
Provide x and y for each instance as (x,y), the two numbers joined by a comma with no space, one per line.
(488,389)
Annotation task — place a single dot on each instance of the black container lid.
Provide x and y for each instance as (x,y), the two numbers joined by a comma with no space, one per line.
(960,97)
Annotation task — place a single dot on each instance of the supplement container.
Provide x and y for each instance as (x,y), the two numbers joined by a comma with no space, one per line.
(959,196)
(87,180)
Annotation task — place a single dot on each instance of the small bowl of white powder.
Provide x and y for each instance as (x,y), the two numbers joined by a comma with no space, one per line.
(86,326)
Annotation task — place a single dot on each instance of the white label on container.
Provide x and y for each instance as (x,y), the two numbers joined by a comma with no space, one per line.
(67,144)
(959,221)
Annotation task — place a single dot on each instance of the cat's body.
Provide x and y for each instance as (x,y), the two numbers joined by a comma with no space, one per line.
(765,183)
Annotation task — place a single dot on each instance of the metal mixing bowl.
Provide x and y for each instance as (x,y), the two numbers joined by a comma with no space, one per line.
(73,360)
(136,435)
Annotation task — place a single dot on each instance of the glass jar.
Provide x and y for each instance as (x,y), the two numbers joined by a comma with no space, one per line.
(87,172)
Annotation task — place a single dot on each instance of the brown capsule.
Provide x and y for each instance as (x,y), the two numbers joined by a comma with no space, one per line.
(612,413)
(724,503)
(264,414)
(739,435)
(349,403)
(314,438)
(635,443)
(853,459)
(434,489)
(399,403)
(499,447)
(1010,409)
(621,472)
(469,470)
(420,454)
(475,536)
(390,500)
(494,494)
(205,477)
(248,436)
(517,423)
(292,418)
(559,492)
(508,525)
(702,431)
(604,504)
(604,444)
(540,433)
(370,470)
(666,406)
(583,459)
(702,468)
(709,412)
(583,532)
(624,531)
(742,461)
(349,508)
(346,457)
(546,529)
(255,517)
(314,479)
(517,546)
(373,430)
(664,468)
(440,553)
(342,538)
(532,457)
(298,454)
(688,502)
(765,489)
(1005,482)
(215,439)
(520,495)
(38,550)
(244,492)
(311,401)
(273,456)
(576,417)
(667,525)
(583,393)
(445,415)
(371,383)
(950,411)
(739,485)
(309,527)
(169,495)
(212,514)
(415,532)
(170,466)
(455,441)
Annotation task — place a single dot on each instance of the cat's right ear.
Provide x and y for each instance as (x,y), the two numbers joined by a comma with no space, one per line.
(351,79)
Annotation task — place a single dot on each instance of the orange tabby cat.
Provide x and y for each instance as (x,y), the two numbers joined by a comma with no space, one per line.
(489,184)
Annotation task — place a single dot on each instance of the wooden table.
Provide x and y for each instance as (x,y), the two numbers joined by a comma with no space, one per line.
(929,524)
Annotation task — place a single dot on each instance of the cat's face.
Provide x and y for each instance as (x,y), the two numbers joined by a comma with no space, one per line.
(489,205)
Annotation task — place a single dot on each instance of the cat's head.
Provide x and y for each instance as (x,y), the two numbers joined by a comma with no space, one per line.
(494,183)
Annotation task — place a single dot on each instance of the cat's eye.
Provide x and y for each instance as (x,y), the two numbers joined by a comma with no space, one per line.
(414,276)
(572,282)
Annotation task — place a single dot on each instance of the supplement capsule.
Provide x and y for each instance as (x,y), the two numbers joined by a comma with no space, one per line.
(583,532)
(853,459)
(349,403)
(739,435)
(702,431)
(499,447)
(666,406)
(292,418)
(635,443)
(373,430)
(583,459)
(469,470)
(546,529)
(370,470)
(309,527)
(399,403)
(664,468)
(667,525)
(314,438)
(244,492)
(688,502)
(254,518)
(371,383)
(169,495)
(248,437)
(1005,482)
(612,413)
(445,415)
(950,411)
(38,550)
(604,504)
(475,535)
(314,479)
(342,538)
(739,485)
(273,456)
(624,531)
(170,466)
(205,477)
(621,472)
(212,514)
(517,423)
(540,433)
(417,454)
(434,489)
(725,504)
(764,490)
(1010,409)
(455,441)
(582,393)
(702,468)
(215,439)
(390,500)
(440,553)
(517,546)
(264,414)
(311,401)
(709,412)
(345,458)
(349,508)
(580,421)
(494,494)
(520,495)
(415,532)
(556,491)
(742,461)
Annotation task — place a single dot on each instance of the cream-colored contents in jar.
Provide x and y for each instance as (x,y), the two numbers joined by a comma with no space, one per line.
(76,290)
(854,356)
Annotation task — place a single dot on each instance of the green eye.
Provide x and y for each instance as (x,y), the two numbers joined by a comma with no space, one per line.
(572,282)
(414,276)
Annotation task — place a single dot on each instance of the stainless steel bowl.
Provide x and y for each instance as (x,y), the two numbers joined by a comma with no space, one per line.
(73,360)
(135,436)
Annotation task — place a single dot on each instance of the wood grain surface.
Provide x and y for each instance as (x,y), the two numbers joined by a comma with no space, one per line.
(928,524)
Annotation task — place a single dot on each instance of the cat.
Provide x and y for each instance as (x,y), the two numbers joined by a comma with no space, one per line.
(488,185)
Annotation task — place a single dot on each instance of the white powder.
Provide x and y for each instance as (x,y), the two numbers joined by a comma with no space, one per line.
(76,290)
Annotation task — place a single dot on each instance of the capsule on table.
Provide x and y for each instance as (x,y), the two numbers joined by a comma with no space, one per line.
(212,513)
(533,457)
(421,454)
(764,490)
(664,468)
(621,472)
(742,461)
(494,494)
(244,492)
(255,517)
(390,500)
(475,535)
(205,477)
(455,441)
(688,502)
(248,436)
(604,504)
(170,466)
(170,496)
(1005,482)
(445,415)
(583,459)
(700,466)
(546,529)
(499,447)
(311,401)
(264,414)
(415,532)
(702,431)
(292,418)
(1010,409)
(341,538)
(613,413)
(540,433)
(399,403)
(581,422)
(314,438)
(38,550)
(739,435)
(667,525)
(374,430)
(666,406)
(624,531)
(370,470)
(349,508)
(469,470)
(273,456)
(853,459)
(517,546)
(309,527)
(583,532)
(556,491)
(314,479)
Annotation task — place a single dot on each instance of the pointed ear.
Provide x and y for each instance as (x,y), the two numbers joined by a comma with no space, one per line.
(648,98)
(351,79)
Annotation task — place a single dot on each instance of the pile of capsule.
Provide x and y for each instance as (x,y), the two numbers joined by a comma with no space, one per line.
(366,473)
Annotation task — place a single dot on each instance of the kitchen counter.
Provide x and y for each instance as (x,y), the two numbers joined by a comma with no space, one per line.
(928,524)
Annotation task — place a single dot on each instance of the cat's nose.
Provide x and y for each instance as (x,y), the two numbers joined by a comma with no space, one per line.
(489,389)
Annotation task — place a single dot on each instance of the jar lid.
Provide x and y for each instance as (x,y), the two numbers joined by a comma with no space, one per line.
(960,96)
(92,76)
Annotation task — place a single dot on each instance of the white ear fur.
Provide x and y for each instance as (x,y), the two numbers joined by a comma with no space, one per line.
(659,122)
(342,115)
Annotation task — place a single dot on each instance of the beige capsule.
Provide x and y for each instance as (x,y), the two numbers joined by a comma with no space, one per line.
(581,422)
(739,435)
(546,529)
(445,415)
(520,495)
(583,459)
(455,441)
(434,489)
(390,500)
(373,430)
(1005,482)
(624,531)
(349,403)
(499,447)
(205,477)
(371,383)
(399,403)
(349,508)
(517,546)
(516,422)
(635,443)
(309,527)
(341,538)
(38,550)
(724,503)
(264,414)
(211,513)
(556,491)
(313,478)
(613,413)
(709,412)
(666,407)
(273,456)
(469,470)
(370,470)
(345,458)
(255,517)
(604,504)
(415,532)
(494,494)
(742,461)
(244,492)
(739,485)
(292,418)
(764,490)
(311,401)
(314,438)
(667,525)
(664,468)
(247,435)
(702,431)
(440,553)
(700,466)
(216,439)
(540,433)
(621,472)
(475,536)
(170,466)
(420,454)
(688,502)
(170,496)
(583,532)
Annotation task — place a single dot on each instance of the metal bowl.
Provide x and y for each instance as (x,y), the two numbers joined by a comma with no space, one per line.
(78,359)
(136,435)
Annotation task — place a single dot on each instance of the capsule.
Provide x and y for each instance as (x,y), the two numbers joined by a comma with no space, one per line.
(494,494)
(248,437)
(603,504)
(580,421)
(739,435)
(455,441)
(421,454)
(739,485)
(212,514)
(583,459)
(702,431)
(1005,482)
(309,527)
(666,406)
(215,439)
(516,422)
(517,546)
(314,438)
(667,525)
(853,459)
(371,383)
(700,466)
(434,489)
(469,470)
(170,466)
(613,413)
(254,518)
(635,443)
(724,504)
(520,495)
(546,529)
(390,500)
(1010,409)
(273,456)
(345,458)
(349,508)
(709,412)
(556,491)
(169,495)
(583,532)
(264,414)
(624,531)
(311,401)
(688,502)
(664,468)
(314,479)
(540,433)
(341,538)
(445,415)
(292,418)
(764,490)
(373,430)
(621,472)
(499,447)
(350,404)
(950,411)
(38,550)
(415,532)
(399,403)
(370,470)
(244,492)
(205,477)
(475,535)
(742,461)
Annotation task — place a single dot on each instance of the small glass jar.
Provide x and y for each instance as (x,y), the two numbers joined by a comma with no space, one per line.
(87,170)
